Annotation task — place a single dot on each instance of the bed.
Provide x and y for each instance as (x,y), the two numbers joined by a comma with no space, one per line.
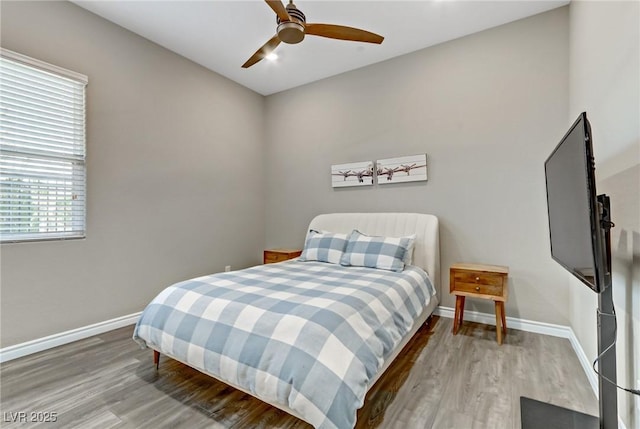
(309,336)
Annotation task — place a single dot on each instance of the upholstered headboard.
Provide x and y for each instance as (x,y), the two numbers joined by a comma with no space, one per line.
(426,254)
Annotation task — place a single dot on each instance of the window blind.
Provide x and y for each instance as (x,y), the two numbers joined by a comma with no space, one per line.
(42,150)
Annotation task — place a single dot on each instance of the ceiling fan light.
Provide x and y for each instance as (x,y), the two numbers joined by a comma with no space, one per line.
(272,56)
(291,32)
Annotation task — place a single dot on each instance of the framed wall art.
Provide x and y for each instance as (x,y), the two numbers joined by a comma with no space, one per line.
(352,174)
(402,169)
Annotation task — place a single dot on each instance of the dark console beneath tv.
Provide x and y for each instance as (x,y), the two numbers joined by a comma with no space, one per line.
(541,415)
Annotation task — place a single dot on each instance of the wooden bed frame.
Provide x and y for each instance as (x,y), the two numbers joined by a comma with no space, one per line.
(426,256)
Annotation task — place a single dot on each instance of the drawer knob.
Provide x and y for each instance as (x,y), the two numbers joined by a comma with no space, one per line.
(477,279)
(477,288)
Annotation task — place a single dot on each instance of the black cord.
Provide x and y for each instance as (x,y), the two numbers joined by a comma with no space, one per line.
(615,339)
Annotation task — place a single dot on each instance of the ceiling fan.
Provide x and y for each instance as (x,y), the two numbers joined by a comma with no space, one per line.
(293,26)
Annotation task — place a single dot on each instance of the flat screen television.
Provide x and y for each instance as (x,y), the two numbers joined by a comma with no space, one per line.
(574,213)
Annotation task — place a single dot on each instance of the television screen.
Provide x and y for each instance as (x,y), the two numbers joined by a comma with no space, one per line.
(574,221)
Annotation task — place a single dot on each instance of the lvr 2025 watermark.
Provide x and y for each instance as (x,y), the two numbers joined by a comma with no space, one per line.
(29,416)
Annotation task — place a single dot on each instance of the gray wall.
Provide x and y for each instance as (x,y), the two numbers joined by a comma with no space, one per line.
(487,109)
(605,82)
(174,162)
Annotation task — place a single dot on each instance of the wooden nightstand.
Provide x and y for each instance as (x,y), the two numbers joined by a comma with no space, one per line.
(480,281)
(278,255)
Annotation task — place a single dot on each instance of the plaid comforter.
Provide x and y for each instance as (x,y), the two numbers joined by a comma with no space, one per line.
(308,335)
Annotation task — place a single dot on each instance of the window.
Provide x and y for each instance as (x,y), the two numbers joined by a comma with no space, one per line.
(42,150)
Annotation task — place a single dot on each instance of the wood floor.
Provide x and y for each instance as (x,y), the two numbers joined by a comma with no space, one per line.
(440,381)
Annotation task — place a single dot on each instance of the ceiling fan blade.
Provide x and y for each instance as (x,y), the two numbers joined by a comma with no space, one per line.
(343,33)
(265,50)
(279,9)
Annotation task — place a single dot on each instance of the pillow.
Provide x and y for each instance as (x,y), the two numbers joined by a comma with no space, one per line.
(408,257)
(323,246)
(385,253)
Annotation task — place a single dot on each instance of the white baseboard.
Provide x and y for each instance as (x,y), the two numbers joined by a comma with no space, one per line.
(538,328)
(585,362)
(55,340)
(512,322)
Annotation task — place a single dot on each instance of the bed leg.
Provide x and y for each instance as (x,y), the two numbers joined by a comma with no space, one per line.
(156,359)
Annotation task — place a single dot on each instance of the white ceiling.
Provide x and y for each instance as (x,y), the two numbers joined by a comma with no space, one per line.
(222,35)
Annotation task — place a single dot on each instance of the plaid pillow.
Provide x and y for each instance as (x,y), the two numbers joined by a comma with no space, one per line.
(323,246)
(408,256)
(386,253)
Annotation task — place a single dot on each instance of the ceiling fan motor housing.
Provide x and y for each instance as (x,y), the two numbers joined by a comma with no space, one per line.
(292,31)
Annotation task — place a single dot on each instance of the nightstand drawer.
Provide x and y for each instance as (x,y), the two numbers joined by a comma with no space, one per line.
(479,288)
(278,255)
(478,278)
(274,257)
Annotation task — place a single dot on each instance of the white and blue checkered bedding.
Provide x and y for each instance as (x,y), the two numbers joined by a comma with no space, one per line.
(308,335)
